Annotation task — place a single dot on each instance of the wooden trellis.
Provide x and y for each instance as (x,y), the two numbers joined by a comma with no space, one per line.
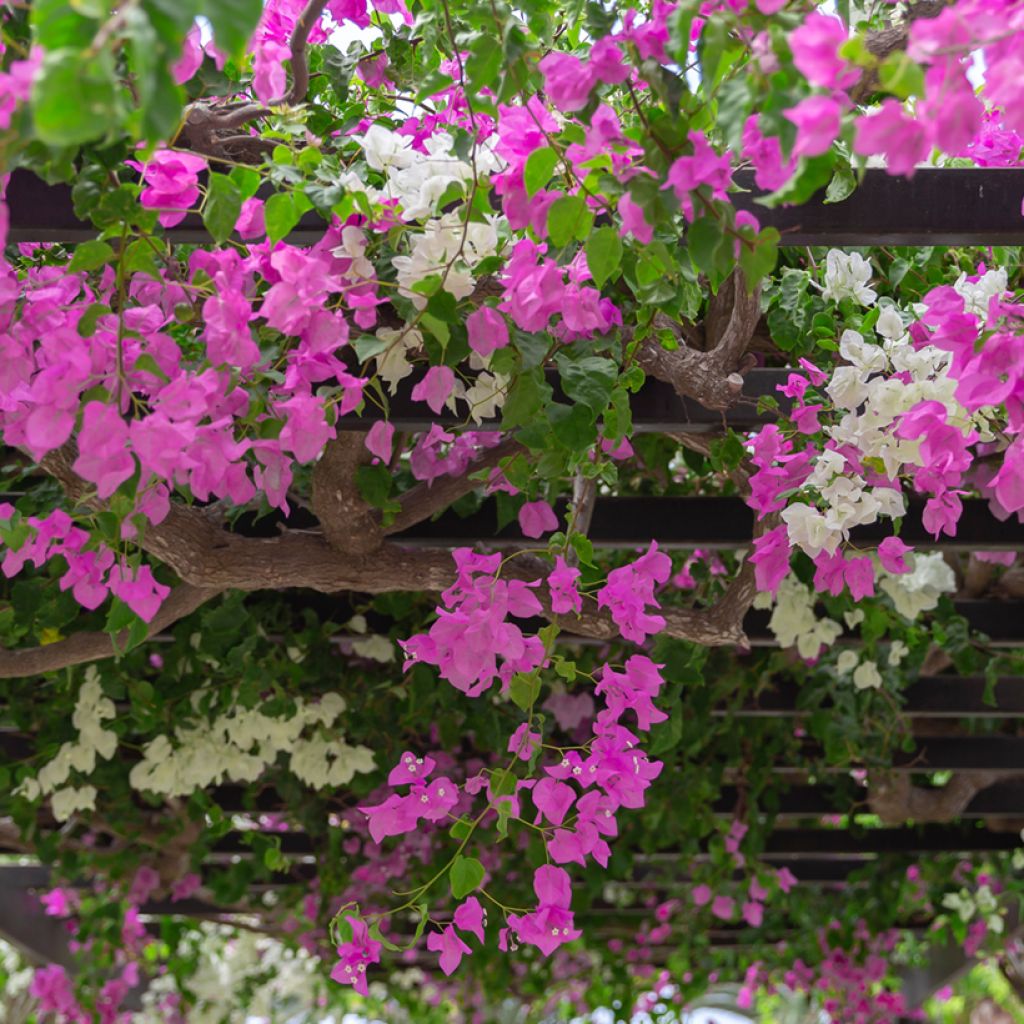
(935,207)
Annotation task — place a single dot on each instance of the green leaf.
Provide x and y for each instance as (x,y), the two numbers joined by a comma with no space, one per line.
(233,22)
(569,218)
(588,380)
(527,396)
(842,185)
(462,828)
(374,484)
(524,690)
(274,859)
(465,874)
(139,257)
(483,64)
(702,240)
(604,254)
(665,736)
(75,97)
(91,256)
(369,345)
(121,618)
(901,76)
(158,97)
(758,262)
(146,363)
(540,165)
(247,180)
(87,322)
(222,207)
(503,783)
(438,328)
(280,215)
(57,23)
(375,934)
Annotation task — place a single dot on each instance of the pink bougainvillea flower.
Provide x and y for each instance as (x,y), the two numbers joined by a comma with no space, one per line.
(771,171)
(723,907)
(942,513)
(487,329)
(379,440)
(551,924)
(1008,483)
(186,886)
(171,181)
(770,559)
(435,388)
(892,554)
(704,167)
(394,817)
(139,590)
(523,742)
(450,946)
(410,769)
(553,799)
(632,689)
(305,430)
(894,134)
(630,588)
(562,586)
(815,45)
(817,120)
(753,913)
(633,220)
(355,956)
(250,223)
(537,518)
(701,895)
(786,879)
(191,57)
(104,457)
(567,81)
(951,110)
(471,917)
(605,62)
(59,902)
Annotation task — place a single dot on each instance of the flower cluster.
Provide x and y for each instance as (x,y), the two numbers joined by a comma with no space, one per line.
(239,745)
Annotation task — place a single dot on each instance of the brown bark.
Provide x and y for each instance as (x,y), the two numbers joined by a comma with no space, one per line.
(300,37)
(348,522)
(425,500)
(82,647)
(896,800)
(713,377)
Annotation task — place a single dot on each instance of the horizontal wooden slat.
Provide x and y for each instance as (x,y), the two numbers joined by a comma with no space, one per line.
(937,206)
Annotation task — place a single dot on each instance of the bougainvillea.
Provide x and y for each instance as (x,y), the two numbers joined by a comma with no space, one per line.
(352,266)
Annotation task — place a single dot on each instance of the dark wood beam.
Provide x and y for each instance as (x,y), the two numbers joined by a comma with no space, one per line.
(938,206)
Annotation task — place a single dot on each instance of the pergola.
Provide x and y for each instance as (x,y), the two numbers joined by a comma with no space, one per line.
(935,207)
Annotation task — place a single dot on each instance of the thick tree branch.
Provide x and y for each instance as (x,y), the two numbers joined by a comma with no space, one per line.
(427,499)
(82,647)
(348,522)
(211,129)
(210,559)
(300,37)
(713,378)
(896,800)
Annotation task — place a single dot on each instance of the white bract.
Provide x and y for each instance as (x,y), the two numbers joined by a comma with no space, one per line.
(920,589)
(242,743)
(793,621)
(448,248)
(847,276)
(978,294)
(92,709)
